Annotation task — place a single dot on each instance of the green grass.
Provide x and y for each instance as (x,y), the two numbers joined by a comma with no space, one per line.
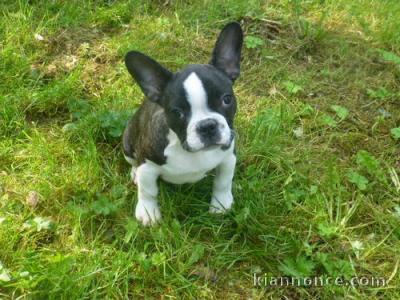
(317,182)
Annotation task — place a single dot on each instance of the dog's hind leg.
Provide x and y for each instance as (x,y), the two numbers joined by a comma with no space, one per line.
(133,163)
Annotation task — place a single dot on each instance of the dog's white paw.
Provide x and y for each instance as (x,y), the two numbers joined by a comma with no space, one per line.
(147,212)
(221,202)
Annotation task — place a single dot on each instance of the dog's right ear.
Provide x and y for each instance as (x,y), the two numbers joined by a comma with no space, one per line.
(149,74)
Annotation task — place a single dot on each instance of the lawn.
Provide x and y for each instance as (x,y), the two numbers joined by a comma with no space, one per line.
(316,186)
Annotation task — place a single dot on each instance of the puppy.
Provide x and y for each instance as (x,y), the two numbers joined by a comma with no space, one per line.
(184,128)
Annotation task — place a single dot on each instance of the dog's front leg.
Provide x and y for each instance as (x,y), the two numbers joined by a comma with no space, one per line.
(222,198)
(147,211)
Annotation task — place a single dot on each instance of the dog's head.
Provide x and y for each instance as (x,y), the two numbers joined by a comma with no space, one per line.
(198,101)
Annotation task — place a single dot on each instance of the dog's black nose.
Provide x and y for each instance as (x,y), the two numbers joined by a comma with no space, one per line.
(207,127)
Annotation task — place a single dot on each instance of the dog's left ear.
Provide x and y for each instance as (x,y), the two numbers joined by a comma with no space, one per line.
(227,50)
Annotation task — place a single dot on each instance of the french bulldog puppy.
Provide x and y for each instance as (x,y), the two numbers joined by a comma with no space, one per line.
(184,128)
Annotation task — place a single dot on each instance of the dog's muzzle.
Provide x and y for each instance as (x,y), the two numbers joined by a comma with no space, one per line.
(209,144)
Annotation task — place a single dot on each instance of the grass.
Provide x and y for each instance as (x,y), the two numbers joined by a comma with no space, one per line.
(317,182)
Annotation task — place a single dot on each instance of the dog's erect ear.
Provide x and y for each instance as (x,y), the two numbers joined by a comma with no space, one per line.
(226,53)
(149,74)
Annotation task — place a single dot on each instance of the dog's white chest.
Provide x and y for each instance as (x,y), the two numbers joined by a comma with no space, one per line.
(186,167)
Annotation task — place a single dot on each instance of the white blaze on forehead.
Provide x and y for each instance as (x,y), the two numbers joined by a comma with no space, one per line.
(197,98)
(195,93)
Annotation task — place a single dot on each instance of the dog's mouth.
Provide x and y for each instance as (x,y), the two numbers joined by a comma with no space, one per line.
(210,146)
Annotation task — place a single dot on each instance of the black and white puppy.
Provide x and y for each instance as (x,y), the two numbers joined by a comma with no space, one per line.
(185,126)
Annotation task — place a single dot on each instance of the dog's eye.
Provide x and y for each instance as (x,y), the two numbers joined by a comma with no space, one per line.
(178,113)
(227,99)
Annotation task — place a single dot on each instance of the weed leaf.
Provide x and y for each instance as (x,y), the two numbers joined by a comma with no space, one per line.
(360,181)
(132,229)
(103,206)
(328,120)
(299,267)
(197,254)
(327,231)
(368,161)
(390,57)
(380,93)
(292,88)
(395,133)
(341,112)
(252,42)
